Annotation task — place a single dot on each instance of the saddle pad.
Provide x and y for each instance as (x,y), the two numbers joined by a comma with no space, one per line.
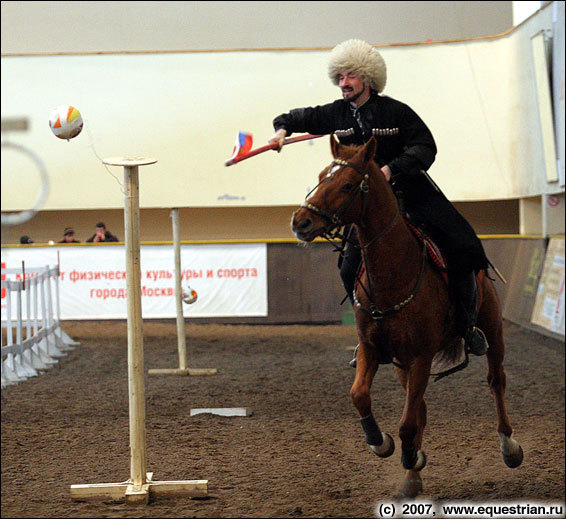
(431,248)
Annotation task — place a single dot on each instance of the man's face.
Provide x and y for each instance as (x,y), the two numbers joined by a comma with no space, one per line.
(69,237)
(100,230)
(352,86)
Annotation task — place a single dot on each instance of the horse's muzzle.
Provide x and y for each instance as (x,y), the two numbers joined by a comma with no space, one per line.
(302,226)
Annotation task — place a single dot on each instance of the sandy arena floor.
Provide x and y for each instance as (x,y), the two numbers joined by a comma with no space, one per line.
(301,454)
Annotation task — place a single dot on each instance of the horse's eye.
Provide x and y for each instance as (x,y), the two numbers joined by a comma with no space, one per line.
(347,187)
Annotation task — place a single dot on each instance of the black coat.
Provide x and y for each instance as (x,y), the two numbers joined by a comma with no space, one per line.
(406,145)
(108,236)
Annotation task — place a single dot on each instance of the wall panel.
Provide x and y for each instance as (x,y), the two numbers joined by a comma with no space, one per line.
(184,109)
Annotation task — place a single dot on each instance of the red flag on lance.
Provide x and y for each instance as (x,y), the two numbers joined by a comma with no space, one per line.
(242,151)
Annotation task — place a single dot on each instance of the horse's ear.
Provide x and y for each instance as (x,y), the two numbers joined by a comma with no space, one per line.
(335,145)
(369,149)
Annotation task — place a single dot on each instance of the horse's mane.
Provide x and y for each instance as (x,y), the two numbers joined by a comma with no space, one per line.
(348,151)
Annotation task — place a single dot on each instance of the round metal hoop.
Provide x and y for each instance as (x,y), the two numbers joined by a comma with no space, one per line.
(24,216)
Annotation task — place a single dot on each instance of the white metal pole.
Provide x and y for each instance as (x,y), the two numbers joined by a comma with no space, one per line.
(181,342)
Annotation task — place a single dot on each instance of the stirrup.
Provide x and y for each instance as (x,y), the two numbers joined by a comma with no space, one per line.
(354,362)
(476,342)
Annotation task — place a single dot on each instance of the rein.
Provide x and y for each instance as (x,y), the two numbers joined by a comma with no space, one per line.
(335,220)
(332,232)
(378,315)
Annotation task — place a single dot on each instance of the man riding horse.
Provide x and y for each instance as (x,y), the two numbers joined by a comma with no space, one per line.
(405,151)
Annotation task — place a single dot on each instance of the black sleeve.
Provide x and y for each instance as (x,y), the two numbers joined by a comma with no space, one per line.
(91,239)
(318,120)
(418,143)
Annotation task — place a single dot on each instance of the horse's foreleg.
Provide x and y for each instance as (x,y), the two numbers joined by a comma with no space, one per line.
(510,448)
(421,415)
(412,484)
(366,368)
(411,427)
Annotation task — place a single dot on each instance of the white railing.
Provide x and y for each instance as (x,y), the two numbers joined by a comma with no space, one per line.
(39,340)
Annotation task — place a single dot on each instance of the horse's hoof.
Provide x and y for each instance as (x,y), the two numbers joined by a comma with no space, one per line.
(515,459)
(421,461)
(412,486)
(511,450)
(386,448)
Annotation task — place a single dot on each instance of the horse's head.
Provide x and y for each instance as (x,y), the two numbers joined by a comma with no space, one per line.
(339,197)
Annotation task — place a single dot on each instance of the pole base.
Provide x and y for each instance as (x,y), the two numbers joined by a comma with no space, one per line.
(183,372)
(223,411)
(140,494)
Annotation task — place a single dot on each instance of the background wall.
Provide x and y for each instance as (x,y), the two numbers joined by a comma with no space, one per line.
(221,223)
(184,115)
(51,27)
(176,107)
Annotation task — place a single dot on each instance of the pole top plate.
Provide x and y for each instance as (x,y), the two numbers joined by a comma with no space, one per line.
(128,161)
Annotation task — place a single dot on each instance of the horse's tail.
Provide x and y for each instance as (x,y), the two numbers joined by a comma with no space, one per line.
(451,352)
(452,347)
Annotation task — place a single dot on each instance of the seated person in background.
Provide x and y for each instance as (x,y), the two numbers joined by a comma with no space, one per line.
(24,240)
(101,234)
(69,236)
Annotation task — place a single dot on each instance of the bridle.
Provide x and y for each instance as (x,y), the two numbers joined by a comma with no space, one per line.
(335,219)
(335,222)
(330,232)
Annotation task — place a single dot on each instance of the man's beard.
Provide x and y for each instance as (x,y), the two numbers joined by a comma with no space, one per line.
(354,98)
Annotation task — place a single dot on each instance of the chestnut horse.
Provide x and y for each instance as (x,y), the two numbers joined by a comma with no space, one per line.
(401,303)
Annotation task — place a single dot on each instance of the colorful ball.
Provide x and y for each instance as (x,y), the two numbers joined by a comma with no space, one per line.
(189,296)
(65,122)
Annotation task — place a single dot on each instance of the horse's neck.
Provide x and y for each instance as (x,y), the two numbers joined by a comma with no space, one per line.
(393,256)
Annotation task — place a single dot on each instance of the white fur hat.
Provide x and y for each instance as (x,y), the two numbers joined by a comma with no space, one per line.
(360,57)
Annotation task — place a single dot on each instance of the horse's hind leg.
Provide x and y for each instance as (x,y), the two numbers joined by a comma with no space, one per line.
(492,325)
(366,368)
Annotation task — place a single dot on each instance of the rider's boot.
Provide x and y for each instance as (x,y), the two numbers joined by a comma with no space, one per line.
(466,295)
(476,341)
(349,263)
(353,362)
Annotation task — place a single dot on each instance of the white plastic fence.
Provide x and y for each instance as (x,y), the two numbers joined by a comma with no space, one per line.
(39,340)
